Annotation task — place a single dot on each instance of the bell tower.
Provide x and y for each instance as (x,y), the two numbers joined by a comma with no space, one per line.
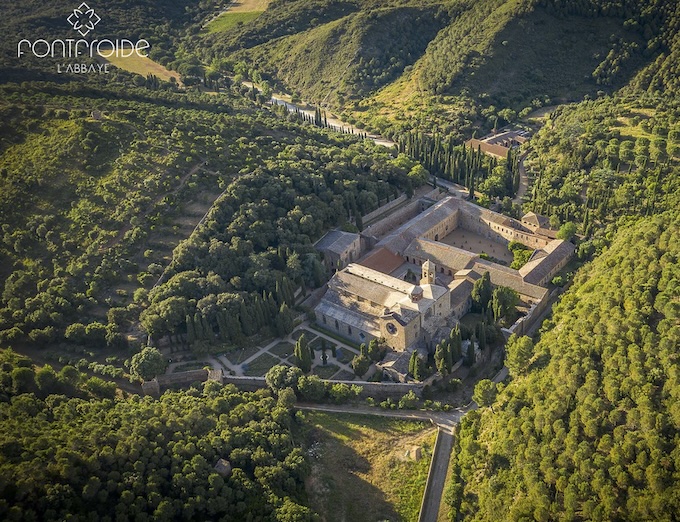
(428,273)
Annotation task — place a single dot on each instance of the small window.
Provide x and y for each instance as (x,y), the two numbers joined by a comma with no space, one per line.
(349,330)
(337,325)
(324,320)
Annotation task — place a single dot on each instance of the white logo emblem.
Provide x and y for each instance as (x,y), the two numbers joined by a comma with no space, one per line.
(83,19)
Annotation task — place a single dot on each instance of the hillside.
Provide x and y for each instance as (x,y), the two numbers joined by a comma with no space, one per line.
(403,65)
(590,431)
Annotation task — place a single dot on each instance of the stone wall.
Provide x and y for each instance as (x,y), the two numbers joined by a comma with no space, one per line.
(377,390)
(385,208)
(401,216)
(500,233)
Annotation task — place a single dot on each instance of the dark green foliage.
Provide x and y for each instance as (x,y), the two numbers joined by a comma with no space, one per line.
(303,357)
(160,446)
(591,432)
(455,344)
(518,353)
(504,301)
(481,292)
(282,376)
(485,393)
(148,364)
(470,356)
(360,364)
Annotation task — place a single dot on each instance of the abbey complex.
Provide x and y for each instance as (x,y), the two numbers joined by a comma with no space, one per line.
(411,284)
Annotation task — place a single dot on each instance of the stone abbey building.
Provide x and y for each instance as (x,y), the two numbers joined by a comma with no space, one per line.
(416,282)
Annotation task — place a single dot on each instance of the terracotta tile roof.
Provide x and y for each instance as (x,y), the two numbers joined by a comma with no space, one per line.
(383,261)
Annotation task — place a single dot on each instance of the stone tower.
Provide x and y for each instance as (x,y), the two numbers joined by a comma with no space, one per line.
(428,273)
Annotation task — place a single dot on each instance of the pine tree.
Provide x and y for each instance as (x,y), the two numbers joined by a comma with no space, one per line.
(456,344)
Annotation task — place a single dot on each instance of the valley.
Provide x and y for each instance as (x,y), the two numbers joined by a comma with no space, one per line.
(249,276)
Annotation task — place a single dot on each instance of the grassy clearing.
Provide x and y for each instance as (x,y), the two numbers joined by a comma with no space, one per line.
(230,19)
(359,469)
(141,65)
(239,6)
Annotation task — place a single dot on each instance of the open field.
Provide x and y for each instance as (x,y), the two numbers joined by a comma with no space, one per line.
(359,466)
(141,65)
(245,6)
(231,19)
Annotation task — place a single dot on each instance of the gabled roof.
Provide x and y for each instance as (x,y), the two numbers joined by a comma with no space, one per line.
(504,276)
(543,262)
(460,290)
(536,220)
(419,226)
(355,319)
(493,150)
(383,261)
(336,241)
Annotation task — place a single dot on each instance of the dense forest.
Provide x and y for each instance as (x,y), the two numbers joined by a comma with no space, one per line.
(588,428)
(148,459)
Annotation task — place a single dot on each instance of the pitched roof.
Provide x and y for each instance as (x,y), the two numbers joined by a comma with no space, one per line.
(460,290)
(356,319)
(536,220)
(383,261)
(398,240)
(504,276)
(488,148)
(393,294)
(337,241)
(544,261)
(441,254)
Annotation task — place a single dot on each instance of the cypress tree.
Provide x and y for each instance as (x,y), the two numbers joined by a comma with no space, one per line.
(222,326)
(456,344)
(245,317)
(302,355)
(440,357)
(207,329)
(470,355)
(191,331)
(198,327)
(448,356)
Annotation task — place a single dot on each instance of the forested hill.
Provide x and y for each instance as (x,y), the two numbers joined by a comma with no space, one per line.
(394,65)
(591,430)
